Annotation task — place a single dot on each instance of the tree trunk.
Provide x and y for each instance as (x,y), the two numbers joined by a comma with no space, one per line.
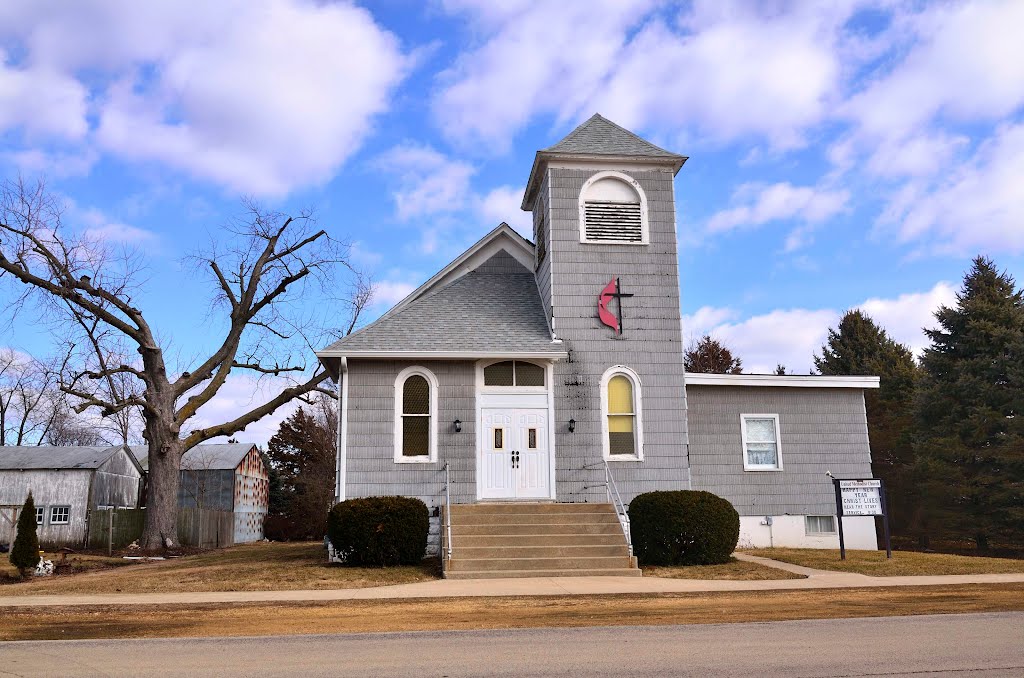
(165,450)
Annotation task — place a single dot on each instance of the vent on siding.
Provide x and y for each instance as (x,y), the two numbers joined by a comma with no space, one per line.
(607,220)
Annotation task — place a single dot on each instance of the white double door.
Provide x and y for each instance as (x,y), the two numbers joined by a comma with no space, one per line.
(515,456)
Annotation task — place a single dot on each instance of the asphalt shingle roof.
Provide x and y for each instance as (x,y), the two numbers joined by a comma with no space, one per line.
(52,457)
(495,308)
(601,136)
(221,456)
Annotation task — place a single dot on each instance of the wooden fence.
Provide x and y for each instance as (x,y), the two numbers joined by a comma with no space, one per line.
(196,527)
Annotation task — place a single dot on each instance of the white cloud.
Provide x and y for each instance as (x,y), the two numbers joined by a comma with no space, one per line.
(259,97)
(759,205)
(978,205)
(429,181)
(792,336)
(390,292)
(241,393)
(967,65)
(503,204)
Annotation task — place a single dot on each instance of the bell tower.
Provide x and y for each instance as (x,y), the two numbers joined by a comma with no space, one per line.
(606,264)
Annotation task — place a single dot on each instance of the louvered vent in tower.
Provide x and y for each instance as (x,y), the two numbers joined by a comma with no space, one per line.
(609,220)
(613,210)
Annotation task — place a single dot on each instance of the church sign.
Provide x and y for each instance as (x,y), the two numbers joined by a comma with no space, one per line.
(613,290)
(860,497)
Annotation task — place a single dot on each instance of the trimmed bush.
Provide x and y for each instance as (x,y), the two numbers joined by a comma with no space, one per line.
(25,551)
(683,528)
(379,531)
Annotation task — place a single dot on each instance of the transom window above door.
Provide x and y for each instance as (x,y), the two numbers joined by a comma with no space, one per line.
(514,373)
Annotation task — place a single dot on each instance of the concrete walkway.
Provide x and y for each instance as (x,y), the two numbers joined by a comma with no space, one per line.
(540,586)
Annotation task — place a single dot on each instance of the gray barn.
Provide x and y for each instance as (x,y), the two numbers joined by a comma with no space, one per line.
(224,477)
(66,484)
(552,372)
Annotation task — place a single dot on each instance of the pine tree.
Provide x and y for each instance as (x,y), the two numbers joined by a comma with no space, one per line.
(860,347)
(302,452)
(970,412)
(25,552)
(709,356)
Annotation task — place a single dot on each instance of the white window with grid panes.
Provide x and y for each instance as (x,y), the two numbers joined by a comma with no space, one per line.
(762,449)
(60,515)
(820,525)
(40,514)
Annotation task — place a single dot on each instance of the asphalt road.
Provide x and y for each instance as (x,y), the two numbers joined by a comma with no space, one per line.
(974,646)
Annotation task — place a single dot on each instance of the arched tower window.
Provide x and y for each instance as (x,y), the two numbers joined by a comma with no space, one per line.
(613,210)
(415,415)
(621,412)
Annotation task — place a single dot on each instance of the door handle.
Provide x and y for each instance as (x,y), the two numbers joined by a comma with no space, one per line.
(515,459)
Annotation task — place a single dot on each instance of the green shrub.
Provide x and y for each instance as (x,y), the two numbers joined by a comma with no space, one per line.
(379,531)
(25,551)
(683,528)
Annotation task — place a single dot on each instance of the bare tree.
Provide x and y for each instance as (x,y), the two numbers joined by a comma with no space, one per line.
(29,399)
(259,273)
(69,428)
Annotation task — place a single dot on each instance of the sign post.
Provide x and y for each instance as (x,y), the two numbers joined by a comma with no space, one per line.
(861,497)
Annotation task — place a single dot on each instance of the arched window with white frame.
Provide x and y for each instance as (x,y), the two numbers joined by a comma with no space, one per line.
(613,210)
(415,416)
(621,415)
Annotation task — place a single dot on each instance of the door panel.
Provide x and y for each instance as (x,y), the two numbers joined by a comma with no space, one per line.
(533,470)
(515,461)
(497,446)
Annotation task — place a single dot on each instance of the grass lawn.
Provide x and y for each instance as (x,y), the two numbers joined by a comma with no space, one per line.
(735,570)
(252,567)
(903,563)
(362,616)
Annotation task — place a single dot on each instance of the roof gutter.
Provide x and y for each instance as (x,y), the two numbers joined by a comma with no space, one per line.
(438,355)
(790,381)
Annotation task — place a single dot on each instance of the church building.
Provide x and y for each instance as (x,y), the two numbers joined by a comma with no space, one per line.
(536,387)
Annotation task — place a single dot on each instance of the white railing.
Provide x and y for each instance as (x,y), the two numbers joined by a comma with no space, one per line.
(620,508)
(447,513)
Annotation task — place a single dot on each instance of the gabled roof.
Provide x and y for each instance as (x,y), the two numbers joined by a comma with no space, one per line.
(215,457)
(492,310)
(599,138)
(55,457)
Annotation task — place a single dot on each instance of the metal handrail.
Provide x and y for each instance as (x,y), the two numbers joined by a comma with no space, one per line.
(448,512)
(620,507)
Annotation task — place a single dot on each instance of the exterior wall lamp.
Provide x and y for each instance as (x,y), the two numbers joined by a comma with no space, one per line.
(458,426)
(572,426)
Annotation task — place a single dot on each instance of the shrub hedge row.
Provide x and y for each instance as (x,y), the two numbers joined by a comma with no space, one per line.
(379,531)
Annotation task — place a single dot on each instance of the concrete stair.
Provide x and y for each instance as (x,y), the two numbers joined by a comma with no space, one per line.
(536,540)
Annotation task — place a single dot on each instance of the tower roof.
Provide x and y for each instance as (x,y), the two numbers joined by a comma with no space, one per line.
(598,138)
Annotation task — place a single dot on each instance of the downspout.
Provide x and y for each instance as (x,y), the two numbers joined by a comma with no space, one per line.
(340,461)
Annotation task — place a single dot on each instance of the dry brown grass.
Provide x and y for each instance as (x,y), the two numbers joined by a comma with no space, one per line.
(903,563)
(734,570)
(252,567)
(152,621)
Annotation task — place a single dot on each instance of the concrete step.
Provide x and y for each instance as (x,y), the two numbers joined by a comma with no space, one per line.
(531,507)
(459,564)
(515,574)
(516,529)
(557,551)
(613,539)
(532,518)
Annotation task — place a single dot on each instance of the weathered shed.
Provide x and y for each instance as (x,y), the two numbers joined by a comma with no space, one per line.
(224,477)
(66,484)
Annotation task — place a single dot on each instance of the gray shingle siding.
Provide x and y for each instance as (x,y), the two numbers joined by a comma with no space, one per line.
(822,429)
(542,229)
(370,467)
(651,343)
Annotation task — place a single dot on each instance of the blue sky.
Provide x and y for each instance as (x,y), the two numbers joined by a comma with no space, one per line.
(841,154)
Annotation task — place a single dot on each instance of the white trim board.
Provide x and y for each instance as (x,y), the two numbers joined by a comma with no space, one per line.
(791,381)
(445,355)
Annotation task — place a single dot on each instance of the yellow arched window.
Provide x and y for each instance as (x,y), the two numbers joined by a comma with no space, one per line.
(415,415)
(621,405)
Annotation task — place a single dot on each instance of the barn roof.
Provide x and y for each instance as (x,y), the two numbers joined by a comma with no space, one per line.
(215,457)
(54,457)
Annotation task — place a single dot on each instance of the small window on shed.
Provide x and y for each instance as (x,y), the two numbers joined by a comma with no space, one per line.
(40,514)
(60,515)
(613,210)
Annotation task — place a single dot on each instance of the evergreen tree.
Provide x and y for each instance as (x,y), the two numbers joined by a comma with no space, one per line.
(970,413)
(709,356)
(860,347)
(25,552)
(302,453)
